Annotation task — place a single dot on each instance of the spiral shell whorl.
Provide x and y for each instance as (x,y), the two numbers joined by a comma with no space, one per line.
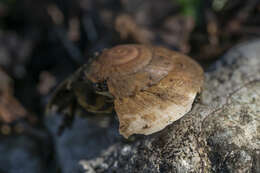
(121,54)
(119,61)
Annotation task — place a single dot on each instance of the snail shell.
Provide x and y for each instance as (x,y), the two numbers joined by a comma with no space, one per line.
(152,86)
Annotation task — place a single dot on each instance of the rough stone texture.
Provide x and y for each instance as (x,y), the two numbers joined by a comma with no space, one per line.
(220,134)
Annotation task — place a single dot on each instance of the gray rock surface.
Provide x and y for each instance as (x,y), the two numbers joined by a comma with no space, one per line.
(25,153)
(220,134)
(84,140)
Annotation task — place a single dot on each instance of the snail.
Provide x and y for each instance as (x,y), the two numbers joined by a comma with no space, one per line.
(149,87)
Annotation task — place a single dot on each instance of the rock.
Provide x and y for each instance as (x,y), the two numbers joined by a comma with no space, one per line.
(220,134)
(25,153)
(87,138)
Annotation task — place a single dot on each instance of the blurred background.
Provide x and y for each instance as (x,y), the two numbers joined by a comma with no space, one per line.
(43,41)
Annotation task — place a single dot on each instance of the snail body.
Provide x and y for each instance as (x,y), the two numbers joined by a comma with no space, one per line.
(151,86)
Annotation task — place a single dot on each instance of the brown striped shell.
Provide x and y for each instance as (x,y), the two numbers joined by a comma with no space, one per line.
(152,86)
